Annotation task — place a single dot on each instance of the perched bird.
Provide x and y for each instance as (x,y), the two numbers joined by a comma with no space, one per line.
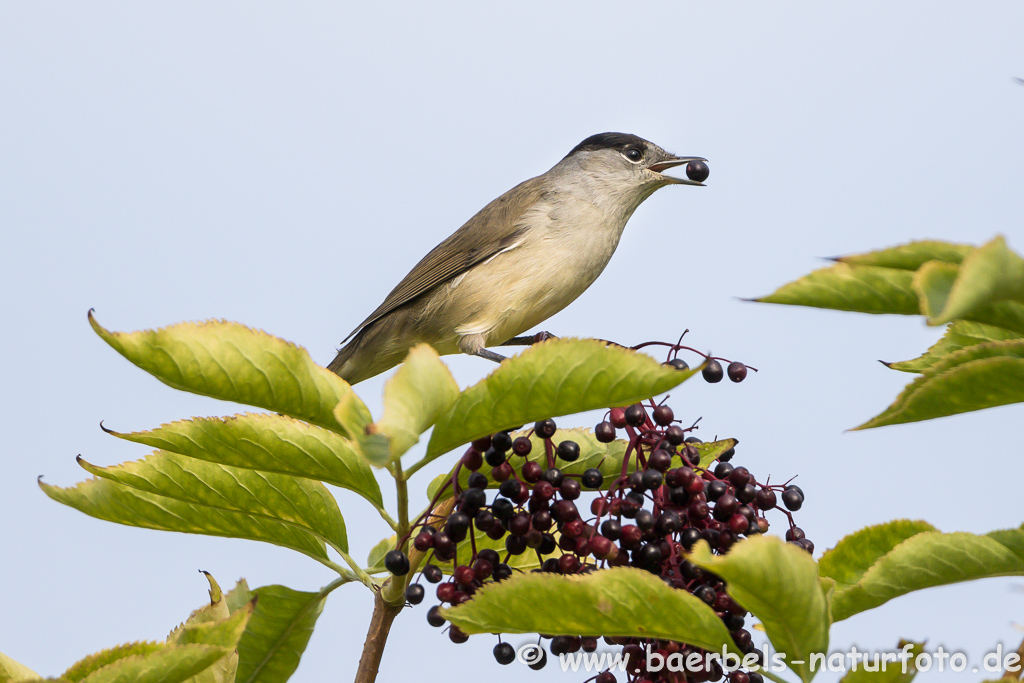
(524,257)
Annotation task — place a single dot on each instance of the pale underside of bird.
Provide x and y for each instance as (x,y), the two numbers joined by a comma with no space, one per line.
(524,257)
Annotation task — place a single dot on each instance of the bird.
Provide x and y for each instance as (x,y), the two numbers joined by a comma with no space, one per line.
(525,256)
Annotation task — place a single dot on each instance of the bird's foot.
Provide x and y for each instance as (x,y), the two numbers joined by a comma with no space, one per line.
(529,339)
(490,355)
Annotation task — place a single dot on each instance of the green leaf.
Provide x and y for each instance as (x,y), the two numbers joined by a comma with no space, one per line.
(302,503)
(238,597)
(887,671)
(224,632)
(171,664)
(864,289)
(11,670)
(377,552)
(622,601)
(606,457)
(556,377)
(277,634)
(988,274)
(911,256)
(779,584)
(114,502)
(959,335)
(978,377)
(847,562)
(420,392)
(85,666)
(232,362)
(931,558)
(935,282)
(272,443)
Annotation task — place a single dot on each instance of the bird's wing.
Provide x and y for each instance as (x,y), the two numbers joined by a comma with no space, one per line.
(496,228)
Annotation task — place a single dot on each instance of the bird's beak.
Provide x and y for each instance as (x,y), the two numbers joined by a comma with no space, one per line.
(675,161)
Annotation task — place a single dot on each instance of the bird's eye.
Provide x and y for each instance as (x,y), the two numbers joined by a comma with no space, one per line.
(634,155)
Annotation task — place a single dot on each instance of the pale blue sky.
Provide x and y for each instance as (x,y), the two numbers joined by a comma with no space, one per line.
(285,164)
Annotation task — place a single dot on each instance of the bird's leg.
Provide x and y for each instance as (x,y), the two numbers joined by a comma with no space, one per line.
(490,355)
(529,339)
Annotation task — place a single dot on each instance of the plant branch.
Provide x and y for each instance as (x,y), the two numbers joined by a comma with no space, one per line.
(376,638)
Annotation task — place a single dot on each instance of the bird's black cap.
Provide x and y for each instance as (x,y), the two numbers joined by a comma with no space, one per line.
(609,141)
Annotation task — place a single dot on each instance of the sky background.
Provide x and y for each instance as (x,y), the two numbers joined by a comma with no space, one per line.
(285,164)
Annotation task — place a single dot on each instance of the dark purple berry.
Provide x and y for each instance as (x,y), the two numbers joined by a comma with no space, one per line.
(697,170)
(516,545)
(456,635)
(494,457)
(501,571)
(545,429)
(795,534)
(723,470)
(434,617)
(678,364)
(484,521)
(553,476)
(570,489)
(765,499)
(611,529)
(716,489)
(645,520)
(728,455)
(432,573)
(663,415)
(414,594)
(501,508)
(510,488)
(592,478)
(737,371)
(675,435)
(501,441)
(688,537)
(668,522)
(793,498)
(396,562)
(568,451)
(423,541)
(531,472)
(705,593)
(457,526)
(504,653)
(522,446)
(605,432)
(713,372)
(652,479)
(636,415)
(660,460)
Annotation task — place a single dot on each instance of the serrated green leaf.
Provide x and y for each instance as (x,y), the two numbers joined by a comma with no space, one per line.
(420,392)
(113,502)
(606,457)
(87,665)
(928,559)
(886,671)
(377,552)
(854,554)
(779,584)
(272,443)
(302,503)
(238,597)
(990,273)
(172,664)
(934,284)
(622,601)
(232,362)
(959,335)
(556,377)
(278,632)
(864,289)
(11,670)
(223,632)
(978,377)
(911,256)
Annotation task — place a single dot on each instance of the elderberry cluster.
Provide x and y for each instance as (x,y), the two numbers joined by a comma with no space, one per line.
(648,514)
